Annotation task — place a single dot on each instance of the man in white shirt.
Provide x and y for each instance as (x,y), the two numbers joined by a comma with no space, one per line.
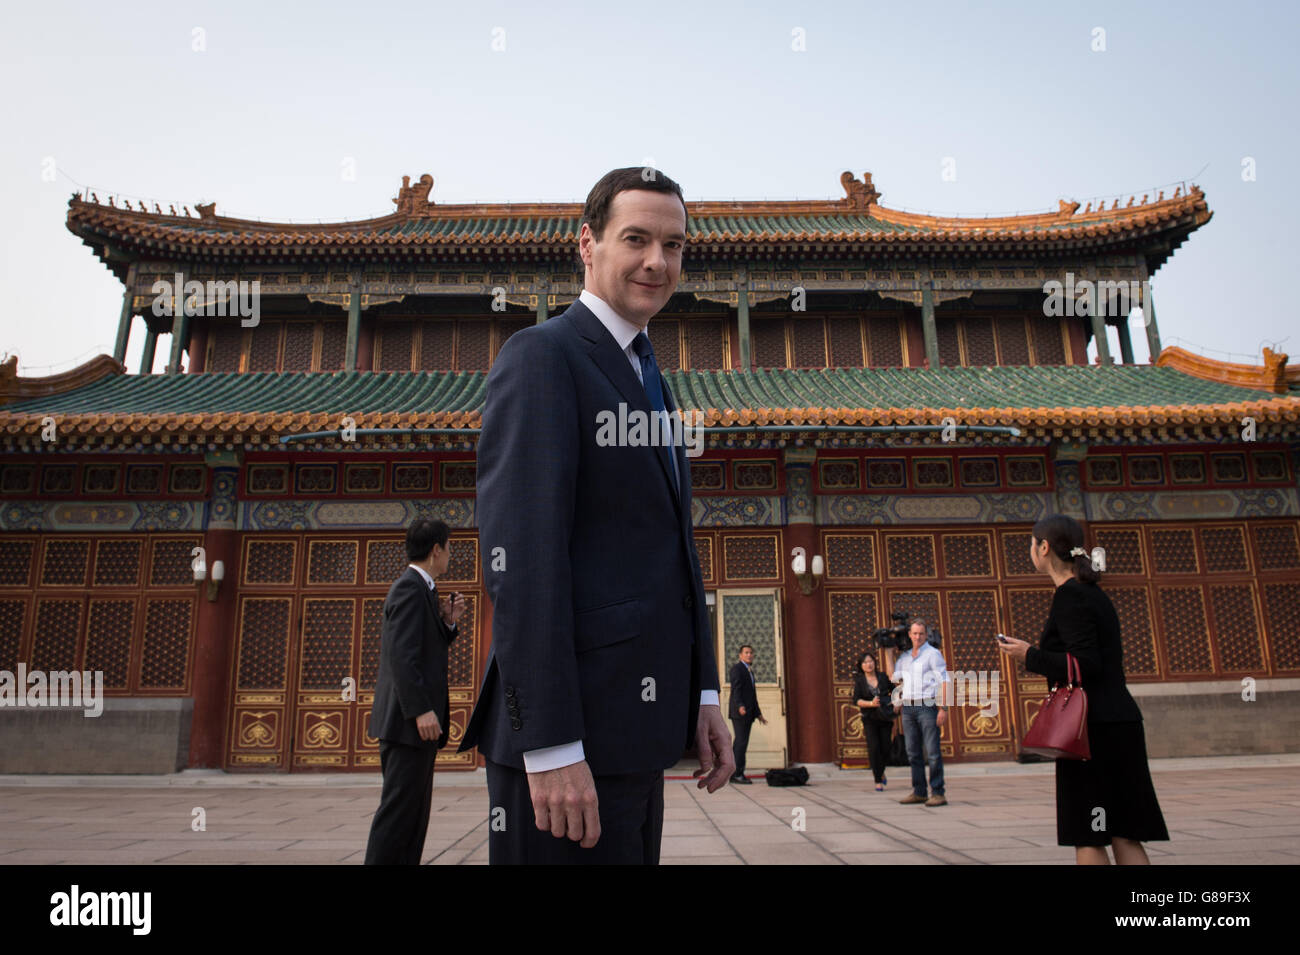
(601,671)
(921,681)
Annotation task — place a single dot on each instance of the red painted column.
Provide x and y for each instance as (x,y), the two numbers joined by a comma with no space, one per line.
(915,336)
(198,348)
(807,638)
(366,345)
(214,637)
(1078,346)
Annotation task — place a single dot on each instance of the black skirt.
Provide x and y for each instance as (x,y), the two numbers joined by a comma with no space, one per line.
(1116,780)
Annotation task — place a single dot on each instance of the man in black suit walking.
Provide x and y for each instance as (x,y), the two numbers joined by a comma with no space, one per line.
(601,671)
(743,708)
(411,709)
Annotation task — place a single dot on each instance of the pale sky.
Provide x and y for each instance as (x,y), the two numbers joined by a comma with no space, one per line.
(505,102)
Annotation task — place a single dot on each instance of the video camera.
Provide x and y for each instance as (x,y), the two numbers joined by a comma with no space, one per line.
(896,637)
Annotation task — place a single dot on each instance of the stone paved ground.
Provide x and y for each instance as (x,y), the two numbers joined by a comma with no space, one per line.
(1218,810)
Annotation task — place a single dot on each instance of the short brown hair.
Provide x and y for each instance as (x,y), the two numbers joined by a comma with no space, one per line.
(596,211)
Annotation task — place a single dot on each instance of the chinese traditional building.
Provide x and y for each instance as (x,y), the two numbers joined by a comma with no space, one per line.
(888,391)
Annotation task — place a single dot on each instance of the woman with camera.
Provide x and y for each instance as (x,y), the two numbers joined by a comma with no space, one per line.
(871,693)
(1107,800)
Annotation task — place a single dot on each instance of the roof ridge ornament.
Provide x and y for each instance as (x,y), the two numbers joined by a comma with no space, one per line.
(861,196)
(413,200)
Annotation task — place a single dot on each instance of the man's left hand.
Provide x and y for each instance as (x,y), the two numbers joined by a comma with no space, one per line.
(717,762)
(762,720)
(941,717)
(451,611)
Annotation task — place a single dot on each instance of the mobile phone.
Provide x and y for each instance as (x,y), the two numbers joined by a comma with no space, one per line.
(1000,638)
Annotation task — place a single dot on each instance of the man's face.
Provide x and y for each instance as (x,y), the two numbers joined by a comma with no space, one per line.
(441,559)
(635,265)
(917,633)
(747,655)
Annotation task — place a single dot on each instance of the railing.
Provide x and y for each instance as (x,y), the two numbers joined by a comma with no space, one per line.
(43,371)
(1206,352)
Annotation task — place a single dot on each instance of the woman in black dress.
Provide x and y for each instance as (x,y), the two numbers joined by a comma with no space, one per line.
(1107,800)
(871,689)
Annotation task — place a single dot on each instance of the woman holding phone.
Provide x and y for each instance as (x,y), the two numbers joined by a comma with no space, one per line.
(1107,800)
(871,692)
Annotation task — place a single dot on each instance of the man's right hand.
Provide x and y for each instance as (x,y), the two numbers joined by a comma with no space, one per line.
(742,711)
(564,801)
(427,725)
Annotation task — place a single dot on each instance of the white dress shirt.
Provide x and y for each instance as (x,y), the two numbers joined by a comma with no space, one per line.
(922,677)
(423,573)
(624,332)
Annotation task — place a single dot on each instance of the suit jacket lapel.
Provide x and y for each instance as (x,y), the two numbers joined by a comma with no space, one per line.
(439,624)
(678,451)
(612,361)
(430,595)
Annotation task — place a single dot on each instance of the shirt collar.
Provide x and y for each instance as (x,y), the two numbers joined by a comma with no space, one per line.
(618,326)
(427,579)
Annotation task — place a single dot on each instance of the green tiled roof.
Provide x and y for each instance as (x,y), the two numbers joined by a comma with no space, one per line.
(1004,386)
(699,227)
(1068,386)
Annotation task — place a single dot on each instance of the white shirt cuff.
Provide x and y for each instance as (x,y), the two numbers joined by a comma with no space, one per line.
(554,757)
(709,698)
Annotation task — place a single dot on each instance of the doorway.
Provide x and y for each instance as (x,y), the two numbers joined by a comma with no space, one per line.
(753,616)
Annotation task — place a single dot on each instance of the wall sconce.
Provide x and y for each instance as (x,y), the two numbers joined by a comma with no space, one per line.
(808,582)
(214,583)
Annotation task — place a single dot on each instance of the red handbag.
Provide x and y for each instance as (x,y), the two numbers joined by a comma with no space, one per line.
(1060,730)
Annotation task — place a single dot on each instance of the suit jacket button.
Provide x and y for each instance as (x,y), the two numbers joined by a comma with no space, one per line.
(510,691)
(516,723)
(688,602)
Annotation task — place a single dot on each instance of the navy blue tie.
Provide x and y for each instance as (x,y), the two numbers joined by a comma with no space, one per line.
(654,391)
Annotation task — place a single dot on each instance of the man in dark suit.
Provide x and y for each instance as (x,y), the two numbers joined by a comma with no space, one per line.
(411,710)
(601,670)
(743,708)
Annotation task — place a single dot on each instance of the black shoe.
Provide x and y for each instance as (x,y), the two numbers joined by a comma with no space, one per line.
(741,781)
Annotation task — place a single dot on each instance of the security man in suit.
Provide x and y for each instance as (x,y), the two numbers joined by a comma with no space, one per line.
(601,671)
(411,710)
(743,708)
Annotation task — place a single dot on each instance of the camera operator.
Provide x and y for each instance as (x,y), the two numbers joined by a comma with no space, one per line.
(924,677)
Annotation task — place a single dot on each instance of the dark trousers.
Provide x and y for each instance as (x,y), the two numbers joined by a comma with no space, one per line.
(631,822)
(402,819)
(740,743)
(879,735)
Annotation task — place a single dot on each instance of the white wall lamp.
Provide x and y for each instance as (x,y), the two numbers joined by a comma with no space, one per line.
(808,581)
(214,582)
